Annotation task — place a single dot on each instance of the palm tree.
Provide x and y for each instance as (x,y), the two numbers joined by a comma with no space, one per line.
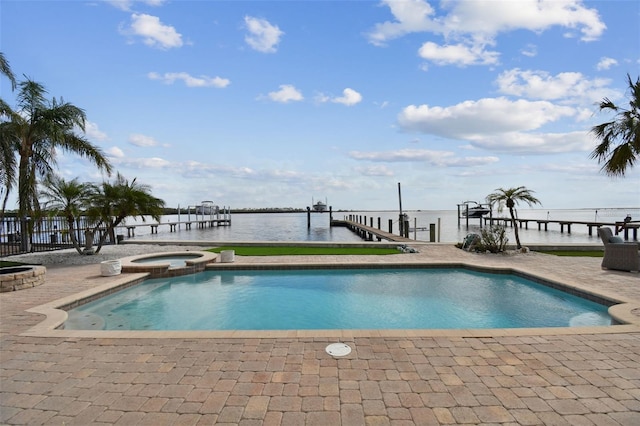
(112,203)
(69,199)
(6,70)
(35,131)
(510,197)
(7,155)
(620,138)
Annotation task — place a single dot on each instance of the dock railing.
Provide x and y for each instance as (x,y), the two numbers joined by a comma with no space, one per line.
(624,227)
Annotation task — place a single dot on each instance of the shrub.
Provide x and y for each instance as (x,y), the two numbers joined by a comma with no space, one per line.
(494,239)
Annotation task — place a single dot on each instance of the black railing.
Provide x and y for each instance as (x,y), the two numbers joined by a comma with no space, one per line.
(46,234)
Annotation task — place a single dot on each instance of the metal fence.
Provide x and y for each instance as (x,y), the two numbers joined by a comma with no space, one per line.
(51,233)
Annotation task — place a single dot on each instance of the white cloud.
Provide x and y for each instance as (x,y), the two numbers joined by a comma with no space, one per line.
(570,87)
(499,125)
(142,140)
(483,117)
(115,152)
(457,54)
(287,93)
(485,20)
(375,170)
(411,16)
(349,97)
(468,27)
(606,63)
(263,36)
(153,32)
(436,158)
(535,143)
(93,132)
(530,50)
(143,163)
(189,80)
(126,4)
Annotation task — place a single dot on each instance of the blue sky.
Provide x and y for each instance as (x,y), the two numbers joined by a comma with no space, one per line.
(273,103)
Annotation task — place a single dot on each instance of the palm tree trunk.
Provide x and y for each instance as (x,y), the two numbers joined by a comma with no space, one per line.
(23,205)
(72,234)
(515,228)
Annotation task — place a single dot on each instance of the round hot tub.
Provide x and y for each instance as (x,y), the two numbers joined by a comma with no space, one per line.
(169,264)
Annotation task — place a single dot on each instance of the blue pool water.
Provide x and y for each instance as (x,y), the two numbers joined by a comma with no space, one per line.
(337,299)
(174,261)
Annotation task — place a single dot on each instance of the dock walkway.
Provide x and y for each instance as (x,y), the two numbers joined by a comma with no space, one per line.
(368,232)
(173,226)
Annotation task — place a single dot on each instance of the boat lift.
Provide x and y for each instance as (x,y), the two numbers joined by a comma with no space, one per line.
(318,207)
(476,210)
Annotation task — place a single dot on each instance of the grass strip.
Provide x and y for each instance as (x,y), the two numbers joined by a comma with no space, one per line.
(304,251)
(575,253)
(6,264)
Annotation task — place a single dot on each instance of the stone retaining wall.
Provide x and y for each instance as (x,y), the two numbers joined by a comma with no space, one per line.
(23,277)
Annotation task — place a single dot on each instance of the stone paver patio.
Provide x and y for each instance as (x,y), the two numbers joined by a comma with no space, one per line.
(529,377)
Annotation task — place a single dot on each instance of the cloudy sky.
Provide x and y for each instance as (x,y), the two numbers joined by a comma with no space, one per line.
(273,103)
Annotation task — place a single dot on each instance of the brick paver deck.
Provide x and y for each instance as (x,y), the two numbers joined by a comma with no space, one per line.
(519,377)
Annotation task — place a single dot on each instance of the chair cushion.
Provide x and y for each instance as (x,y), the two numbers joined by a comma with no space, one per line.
(615,239)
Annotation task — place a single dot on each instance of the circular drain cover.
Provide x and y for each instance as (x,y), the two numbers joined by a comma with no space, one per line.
(338,349)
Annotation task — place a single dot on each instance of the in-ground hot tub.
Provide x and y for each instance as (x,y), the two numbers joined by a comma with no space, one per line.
(169,264)
(18,277)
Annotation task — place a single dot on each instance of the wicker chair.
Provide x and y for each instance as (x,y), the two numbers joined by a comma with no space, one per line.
(618,255)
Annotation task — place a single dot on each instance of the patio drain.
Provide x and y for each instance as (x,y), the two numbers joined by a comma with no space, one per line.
(338,349)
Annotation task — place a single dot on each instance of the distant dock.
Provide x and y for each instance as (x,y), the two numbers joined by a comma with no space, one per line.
(174,226)
(206,216)
(620,227)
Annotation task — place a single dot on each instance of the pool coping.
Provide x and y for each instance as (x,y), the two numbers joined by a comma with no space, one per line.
(620,309)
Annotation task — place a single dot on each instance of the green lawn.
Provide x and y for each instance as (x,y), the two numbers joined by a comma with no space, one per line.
(6,264)
(300,251)
(576,253)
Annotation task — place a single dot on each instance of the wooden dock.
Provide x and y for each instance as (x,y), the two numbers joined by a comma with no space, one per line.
(174,226)
(619,227)
(368,233)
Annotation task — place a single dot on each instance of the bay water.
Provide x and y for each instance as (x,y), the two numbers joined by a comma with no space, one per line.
(294,227)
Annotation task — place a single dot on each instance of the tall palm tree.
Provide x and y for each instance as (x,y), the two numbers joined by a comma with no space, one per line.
(113,202)
(511,197)
(35,130)
(69,199)
(7,155)
(6,70)
(619,138)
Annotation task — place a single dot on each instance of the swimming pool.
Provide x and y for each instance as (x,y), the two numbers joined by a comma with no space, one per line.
(442,298)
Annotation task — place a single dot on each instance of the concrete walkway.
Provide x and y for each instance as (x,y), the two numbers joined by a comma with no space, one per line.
(581,377)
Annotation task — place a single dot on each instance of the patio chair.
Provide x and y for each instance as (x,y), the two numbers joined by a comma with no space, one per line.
(618,254)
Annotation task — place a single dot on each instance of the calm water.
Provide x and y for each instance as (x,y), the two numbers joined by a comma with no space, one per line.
(337,299)
(293,226)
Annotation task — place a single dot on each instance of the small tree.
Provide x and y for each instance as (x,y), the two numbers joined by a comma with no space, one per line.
(510,198)
(112,203)
(67,198)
